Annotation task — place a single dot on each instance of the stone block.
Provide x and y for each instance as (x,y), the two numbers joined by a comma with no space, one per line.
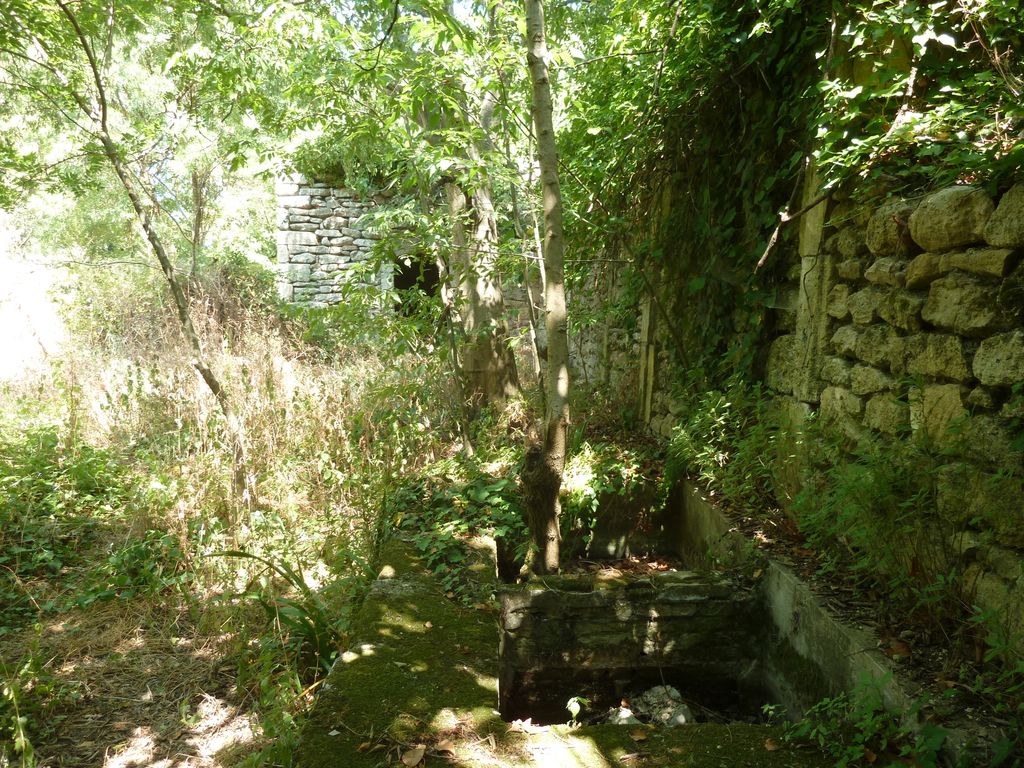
(1010,298)
(991,439)
(836,371)
(303,257)
(887,271)
(364,242)
(980,399)
(886,414)
(321,213)
(851,269)
(938,355)
(1013,408)
(839,404)
(962,304)
(863,305)
(999,360)
(349,232)
(844,340)
(902,309)
(286,189)
(328,233)
(925,268)
(850,243)
(865,380)
(951,217)
(888,232)
(1005,228)
(939,412)
(298,273)
(304,227)
(295,201)
(1005,563)
(782,364)
(837,302)
(296,238)
(876,345)
(987,262)
(968,494)
(282,254)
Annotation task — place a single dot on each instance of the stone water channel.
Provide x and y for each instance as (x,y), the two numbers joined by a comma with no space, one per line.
(732,635)
(735,632)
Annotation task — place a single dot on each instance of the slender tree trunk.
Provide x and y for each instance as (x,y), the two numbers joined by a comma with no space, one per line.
(232,422)
(99,113)
(542,473)
(198,219)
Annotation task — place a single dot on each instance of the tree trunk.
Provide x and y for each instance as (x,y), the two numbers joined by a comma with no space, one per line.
(542,473)
(231,420)
(487,360)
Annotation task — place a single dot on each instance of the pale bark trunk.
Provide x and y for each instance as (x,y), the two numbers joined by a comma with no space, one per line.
(488,362)
(544,465)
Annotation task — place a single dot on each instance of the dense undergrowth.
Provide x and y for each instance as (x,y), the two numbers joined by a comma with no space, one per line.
(868,512)
(117,498)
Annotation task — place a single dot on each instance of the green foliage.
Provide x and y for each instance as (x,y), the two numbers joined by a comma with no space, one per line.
(55,495)
(872,508)
(725,440)
(30,699)
(308,625)
(457,501)
(147,566)
(594,475)
(691,127)
(856,730)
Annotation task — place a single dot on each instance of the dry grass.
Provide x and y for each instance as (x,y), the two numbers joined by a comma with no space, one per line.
(137,683)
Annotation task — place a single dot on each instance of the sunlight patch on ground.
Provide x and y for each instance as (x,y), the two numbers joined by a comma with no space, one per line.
(548,747)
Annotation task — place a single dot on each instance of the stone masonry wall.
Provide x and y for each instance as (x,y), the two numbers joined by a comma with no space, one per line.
(321,242)
(918,328)
(904,322)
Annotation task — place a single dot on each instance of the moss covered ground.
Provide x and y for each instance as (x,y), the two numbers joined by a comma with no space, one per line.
(419,683)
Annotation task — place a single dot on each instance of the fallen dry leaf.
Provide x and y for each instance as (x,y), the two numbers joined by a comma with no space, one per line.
(428,624)
(445,745)
(638,734)
(414,756)
(771,745)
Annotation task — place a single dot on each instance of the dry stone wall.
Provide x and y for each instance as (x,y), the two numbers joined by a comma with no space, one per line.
(923,340)
(902,322)
(323,243)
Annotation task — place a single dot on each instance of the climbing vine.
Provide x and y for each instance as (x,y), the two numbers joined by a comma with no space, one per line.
(877,97)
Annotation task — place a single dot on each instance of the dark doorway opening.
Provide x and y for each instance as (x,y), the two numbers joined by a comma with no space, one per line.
(415,278)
